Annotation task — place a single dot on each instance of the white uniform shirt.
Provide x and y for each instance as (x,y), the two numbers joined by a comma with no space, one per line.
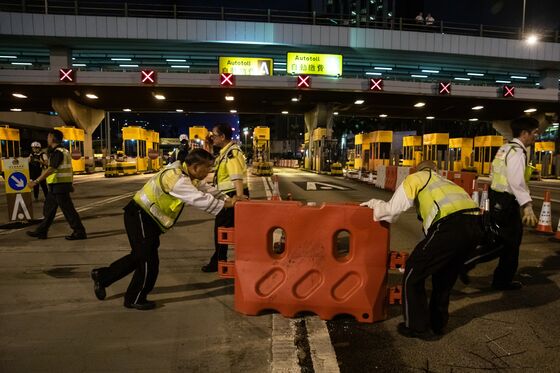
(198,194)
(516,163)
(390,211)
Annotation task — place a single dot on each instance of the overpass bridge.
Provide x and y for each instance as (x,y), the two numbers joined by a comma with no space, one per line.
(108,53)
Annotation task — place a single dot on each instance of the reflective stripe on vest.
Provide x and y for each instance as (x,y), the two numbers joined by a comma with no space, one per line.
(154,198)
(63,173)
(222,179)
(440,198)
(499,167)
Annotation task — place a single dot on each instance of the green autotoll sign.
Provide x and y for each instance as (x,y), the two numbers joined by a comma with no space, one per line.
(314,64)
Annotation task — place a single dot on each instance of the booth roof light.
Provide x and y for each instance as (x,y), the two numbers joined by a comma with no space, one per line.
(420,104)
(359,102)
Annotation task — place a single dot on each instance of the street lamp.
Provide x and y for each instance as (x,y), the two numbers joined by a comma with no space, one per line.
(245,133)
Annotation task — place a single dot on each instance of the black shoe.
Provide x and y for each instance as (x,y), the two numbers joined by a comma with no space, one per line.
(465,278)
(98,289)
(210,267)
(410,333)
(41,236)
(142,305)
(74,236)
(514,285)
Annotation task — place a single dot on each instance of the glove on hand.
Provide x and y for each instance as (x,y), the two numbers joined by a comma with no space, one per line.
(371,203)
(529,217)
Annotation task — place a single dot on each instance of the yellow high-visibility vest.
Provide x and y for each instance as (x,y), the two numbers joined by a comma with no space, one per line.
(154,198)
(63,173)
(222,178)
(499,167)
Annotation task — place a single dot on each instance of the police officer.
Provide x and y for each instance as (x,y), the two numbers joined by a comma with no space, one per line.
(451,224)
(508,192)
(153,210)
(230,177)
(183,146)
(59,177)
(38,162)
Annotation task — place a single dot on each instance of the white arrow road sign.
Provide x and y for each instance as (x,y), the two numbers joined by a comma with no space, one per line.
(20,183)
(20,204)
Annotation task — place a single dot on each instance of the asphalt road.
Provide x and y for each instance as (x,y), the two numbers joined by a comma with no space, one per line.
(51,321)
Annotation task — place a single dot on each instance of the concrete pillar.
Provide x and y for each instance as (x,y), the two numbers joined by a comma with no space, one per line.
(60,58)
(84,117)
(549,79)
(321,116)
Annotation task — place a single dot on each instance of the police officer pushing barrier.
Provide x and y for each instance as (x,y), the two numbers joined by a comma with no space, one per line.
(59,178)
(38,162)
(230,177)
(508,192)
(452,229)
(153,210)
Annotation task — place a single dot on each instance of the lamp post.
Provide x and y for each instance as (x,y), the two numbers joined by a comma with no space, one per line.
(523,19)
(245,132)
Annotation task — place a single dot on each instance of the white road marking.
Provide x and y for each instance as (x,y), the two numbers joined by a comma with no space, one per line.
(284,350)
(81,209)
(322,350)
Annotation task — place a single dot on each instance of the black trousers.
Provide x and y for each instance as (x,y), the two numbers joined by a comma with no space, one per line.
(143,236)
(35,172)
(225,218)
(505,212)
(53,201)
(440,255)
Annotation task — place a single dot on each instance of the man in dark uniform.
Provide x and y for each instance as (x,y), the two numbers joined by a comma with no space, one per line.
(59,178)
(38,162)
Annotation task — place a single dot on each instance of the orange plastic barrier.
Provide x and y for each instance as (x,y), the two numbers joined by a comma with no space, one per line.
(391,178)
(465,180)
(308,273)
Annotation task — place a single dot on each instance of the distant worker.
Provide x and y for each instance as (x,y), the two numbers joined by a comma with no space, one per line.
(153,210)
(38,162)
(419,19)
(508,192)
(429,19)
(451,225)
(230,177)
(184,145)
(59,177)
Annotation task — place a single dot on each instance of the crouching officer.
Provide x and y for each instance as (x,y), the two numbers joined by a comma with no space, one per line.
(452,229)
(154,209)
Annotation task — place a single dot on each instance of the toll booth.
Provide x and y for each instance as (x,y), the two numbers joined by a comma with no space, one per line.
(412,150)
(460,153)
(197,137)
(367,149)
(485,148)
(9,143)
(380,149)
(306,151)
(544,151)
(358,146)
(74,142)
(261,151)
(154,156)
(434,147)
(324,150)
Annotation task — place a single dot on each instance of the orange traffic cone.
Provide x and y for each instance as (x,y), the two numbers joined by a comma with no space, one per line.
(475,197)
(545,219)
(275,189)
(556,237)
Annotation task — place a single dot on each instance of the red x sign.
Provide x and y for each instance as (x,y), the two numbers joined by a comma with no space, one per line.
(508,91)
(444,88)
(227,80)
(304,81)
(67,75)
(148,76)
(375,84)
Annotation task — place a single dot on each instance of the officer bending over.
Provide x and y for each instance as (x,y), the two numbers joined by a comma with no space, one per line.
(153,210)
(452,229)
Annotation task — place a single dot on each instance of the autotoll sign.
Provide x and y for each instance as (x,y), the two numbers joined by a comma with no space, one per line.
(314,64)
(246,65)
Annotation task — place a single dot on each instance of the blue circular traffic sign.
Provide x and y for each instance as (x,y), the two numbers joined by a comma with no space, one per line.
(17,181)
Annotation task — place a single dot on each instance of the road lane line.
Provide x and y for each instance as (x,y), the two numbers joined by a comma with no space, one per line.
(80,209)
(284,350)
(322,350)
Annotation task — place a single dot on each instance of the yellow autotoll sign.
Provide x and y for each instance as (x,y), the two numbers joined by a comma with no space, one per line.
(246,65)
(16,175)
(314,64)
